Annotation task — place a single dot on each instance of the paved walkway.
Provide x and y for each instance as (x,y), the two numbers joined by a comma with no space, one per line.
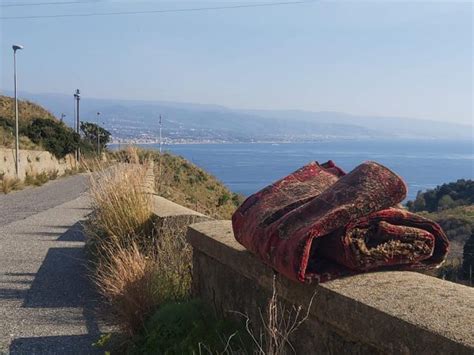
(46,302)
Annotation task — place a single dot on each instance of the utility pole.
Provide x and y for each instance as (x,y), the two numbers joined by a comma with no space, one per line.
(17,139)
(62,117)
(77,97)
(98,135)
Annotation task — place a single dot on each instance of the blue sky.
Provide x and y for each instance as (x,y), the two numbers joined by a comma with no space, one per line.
(411,59)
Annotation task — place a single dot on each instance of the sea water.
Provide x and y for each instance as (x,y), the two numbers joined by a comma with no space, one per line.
(247,167)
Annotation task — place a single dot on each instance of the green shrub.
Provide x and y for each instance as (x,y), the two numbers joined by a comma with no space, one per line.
(237,199)
(445,196)
(90,131)
(223,199)
(37,179)
(190,328)
(54,136)
(42,178)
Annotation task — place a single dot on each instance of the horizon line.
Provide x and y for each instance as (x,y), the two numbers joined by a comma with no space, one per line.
(232,108)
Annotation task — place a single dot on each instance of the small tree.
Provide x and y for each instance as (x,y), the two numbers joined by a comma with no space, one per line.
(91,130)
(420,203)
(54,136)
(445,202)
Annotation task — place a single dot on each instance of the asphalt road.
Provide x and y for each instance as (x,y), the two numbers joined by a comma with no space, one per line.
(47,304)
(21,204)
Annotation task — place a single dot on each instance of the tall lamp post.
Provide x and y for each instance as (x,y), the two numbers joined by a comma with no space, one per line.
(77,98)
(17,140)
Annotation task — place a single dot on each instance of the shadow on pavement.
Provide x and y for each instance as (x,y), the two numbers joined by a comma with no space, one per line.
(11,294)
(61,282)
(73,234)
(68,344)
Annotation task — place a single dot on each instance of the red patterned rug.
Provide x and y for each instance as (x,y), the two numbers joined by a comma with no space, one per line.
(320,223)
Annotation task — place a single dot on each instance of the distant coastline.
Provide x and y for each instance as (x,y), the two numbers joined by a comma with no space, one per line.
(168,142)
(247,167)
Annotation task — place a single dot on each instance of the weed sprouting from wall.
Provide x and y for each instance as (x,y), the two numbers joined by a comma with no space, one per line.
(278,323)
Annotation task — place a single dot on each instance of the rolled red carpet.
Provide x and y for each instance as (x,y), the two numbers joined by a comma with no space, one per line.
(319,223)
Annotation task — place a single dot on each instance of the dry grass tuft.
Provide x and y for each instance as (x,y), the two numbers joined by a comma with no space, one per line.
(137,266)
(125,278)
(135,282)
(131,154)
(8,184)
(121,208)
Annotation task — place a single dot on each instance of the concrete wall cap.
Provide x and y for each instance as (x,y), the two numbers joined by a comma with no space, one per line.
(376,305)
(165,208)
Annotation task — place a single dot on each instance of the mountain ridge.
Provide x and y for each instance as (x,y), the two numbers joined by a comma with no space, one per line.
(190,122)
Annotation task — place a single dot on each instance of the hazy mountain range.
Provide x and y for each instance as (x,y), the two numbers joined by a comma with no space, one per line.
(185,122)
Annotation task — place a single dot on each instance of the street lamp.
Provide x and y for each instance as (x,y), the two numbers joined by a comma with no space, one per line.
(98,135)
(77,97)
(17,141)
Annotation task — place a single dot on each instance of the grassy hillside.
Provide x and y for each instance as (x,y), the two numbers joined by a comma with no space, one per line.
(452,206)
(38,129)
(458,223)
(7,140)
(445,196)
(27,110)
(186,184)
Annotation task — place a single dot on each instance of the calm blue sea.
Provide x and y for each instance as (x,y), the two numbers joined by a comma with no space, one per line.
(246,168)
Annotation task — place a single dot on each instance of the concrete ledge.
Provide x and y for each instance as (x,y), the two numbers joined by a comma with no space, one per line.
(167,214)
(384,312)
(164,208)
(170,216)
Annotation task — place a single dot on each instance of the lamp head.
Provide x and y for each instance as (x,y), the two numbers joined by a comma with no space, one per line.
(16,47)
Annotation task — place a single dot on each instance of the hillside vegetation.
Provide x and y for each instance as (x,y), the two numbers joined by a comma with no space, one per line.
(186,184)
(452,206)
(28,110)
(446,196)
(39,129)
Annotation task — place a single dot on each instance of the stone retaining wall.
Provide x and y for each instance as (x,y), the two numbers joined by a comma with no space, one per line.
(33,162)
(375,313)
